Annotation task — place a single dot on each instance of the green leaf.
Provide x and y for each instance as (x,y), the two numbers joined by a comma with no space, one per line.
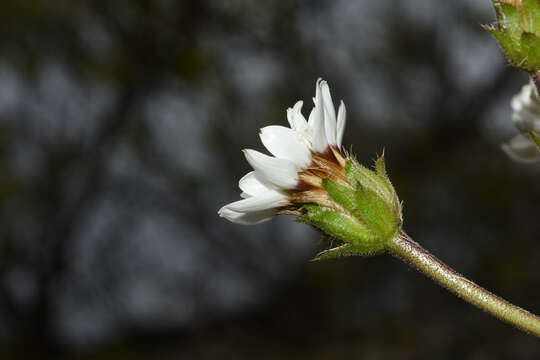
(530,45)
(350,250)
(343,227)
(530,16)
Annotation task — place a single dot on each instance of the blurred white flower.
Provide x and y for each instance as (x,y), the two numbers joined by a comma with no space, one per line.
(526,109)
(526,117)
(302,155)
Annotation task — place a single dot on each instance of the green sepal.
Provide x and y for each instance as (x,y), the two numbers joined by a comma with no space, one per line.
(351,250)
(380,167)
(506,44)
(342,195)
(350,173)
(530,50)
(509,21)
(363,204)
(358,174)
(376,213)
(530,19)
(376,203)
(341,226)
(508,33)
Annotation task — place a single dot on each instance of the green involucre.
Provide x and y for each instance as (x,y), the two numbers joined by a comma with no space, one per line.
(366,215)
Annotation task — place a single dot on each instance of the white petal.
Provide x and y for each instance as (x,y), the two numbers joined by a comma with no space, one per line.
(250,218)
(290,119)
(525,120)
(316,122)
(280,172)
(301,125)
(522,149)
(329,114)
(341,122)
(526,109)
(284,143)
(517,102)
(297,121)
(269,200)
(329,127)
(252,185)
(527,95)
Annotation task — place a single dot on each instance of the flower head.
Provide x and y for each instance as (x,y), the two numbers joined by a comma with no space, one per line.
(303,154)
(309,176)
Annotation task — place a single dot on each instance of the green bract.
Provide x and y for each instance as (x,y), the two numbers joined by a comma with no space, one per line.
(535,139)
(366,214)
(518,33)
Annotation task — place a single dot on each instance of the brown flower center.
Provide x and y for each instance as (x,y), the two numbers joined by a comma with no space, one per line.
(329,164)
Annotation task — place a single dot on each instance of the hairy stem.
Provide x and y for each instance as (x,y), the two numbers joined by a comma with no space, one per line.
(403,247)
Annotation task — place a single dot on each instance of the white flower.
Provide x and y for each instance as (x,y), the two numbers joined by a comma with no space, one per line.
(526,109)
(526,117)
(303,155)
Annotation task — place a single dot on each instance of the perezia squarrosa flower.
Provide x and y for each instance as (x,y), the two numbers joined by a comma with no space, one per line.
(526,117)
(309,176)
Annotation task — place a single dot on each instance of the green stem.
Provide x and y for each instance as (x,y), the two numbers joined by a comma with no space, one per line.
(536,81)
(403,247)
(535,138)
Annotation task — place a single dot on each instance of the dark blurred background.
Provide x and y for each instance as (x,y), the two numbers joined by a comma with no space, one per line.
(121,124)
